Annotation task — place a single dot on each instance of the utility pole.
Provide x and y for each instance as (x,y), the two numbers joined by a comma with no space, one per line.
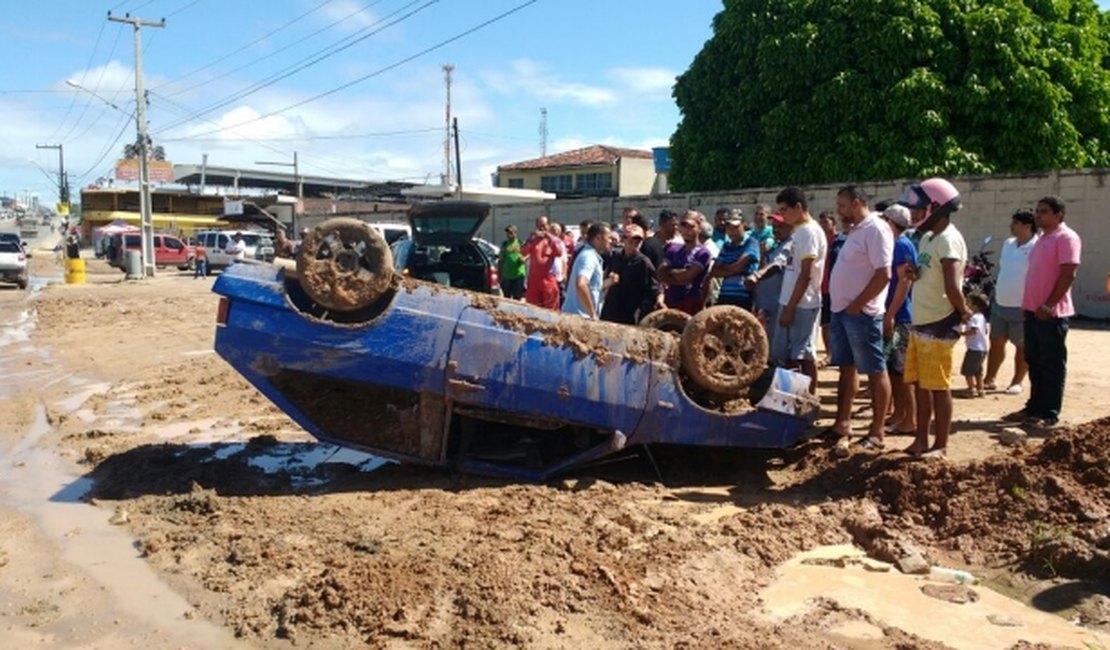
(458,162)
(448,69)
(63,181)
(144,140)
(298,183)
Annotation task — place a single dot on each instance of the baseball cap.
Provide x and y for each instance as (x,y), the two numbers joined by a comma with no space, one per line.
(734,222)
(777,218)
(897,214)
(632,230)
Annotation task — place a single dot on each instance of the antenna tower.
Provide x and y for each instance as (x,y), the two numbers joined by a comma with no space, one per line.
(448,69)
(543,132)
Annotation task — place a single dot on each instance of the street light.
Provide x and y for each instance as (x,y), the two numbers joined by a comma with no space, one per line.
(74,84)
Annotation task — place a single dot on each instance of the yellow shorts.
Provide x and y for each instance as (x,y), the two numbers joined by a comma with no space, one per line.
(929,362)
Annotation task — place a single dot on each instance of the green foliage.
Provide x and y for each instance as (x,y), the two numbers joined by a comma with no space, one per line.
(811,91)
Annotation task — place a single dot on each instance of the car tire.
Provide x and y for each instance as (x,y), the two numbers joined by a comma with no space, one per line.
(724,349)
(671,321)
(345,265)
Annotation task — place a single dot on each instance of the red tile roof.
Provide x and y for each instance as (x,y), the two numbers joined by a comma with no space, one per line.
(597,154)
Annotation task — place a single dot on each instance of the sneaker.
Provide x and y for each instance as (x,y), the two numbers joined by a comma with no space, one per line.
(1014,389)
(1016,416)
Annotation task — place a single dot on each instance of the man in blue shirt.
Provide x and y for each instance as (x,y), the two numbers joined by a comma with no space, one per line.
(896,321)
(739,258)
(587,282)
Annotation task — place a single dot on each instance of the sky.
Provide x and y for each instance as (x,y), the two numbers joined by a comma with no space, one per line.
(354,87)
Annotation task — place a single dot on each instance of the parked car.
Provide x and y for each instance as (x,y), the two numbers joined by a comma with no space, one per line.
(260,246)
(13,263)
(14,237)
(169,250)
(444,250)
(393,232)
(430,374)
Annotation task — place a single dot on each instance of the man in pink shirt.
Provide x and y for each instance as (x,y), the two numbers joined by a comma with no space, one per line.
(1053,264)
(857,298)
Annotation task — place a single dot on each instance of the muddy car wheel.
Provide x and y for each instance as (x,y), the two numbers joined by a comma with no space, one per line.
(671,321)
(344,265)
(724,349)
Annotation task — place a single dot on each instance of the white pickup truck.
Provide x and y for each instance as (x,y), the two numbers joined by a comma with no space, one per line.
(13,263)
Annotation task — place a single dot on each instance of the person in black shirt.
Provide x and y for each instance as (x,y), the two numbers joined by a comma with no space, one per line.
(653,246)
(634,291)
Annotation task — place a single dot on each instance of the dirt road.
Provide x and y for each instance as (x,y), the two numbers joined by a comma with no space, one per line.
(149,496)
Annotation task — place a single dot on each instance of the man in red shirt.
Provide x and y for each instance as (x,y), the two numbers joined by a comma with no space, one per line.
(542,249)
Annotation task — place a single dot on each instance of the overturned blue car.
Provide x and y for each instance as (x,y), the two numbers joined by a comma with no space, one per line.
(364,357)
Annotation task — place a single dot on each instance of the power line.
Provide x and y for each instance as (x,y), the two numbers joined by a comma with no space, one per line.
(88,102)
(125,119)
(172,14)
(240,49)
(310,138)
(377,72)
(84,72)
(250,90)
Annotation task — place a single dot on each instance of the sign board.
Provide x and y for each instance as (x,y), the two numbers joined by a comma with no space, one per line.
(232,207)
(160,171)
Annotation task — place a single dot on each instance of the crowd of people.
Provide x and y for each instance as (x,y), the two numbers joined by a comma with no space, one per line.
(881,285)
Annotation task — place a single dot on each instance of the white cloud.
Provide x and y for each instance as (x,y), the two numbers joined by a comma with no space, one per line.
(353,14)
(649,81)
(533,78)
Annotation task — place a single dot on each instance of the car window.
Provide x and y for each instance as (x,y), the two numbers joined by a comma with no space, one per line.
(222,240)
(133,241)
(173,243)
(8,246)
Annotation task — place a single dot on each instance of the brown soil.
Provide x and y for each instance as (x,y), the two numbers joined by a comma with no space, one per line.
(329,556)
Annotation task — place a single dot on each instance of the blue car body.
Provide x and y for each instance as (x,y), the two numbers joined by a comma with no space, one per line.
(454,378)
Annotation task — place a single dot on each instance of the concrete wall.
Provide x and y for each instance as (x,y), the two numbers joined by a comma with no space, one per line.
(988,203)
(636,176)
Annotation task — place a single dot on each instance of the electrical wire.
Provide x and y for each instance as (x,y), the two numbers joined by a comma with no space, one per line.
(250,90)
(107,149)
(187,6)
(312,138)
(88,101)
(377,72)
(240,49)
(84,73)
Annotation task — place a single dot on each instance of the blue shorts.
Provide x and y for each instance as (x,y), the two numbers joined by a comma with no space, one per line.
(857,341)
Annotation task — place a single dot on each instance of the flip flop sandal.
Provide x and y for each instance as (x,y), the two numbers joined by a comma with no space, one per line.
(869,444)
(935,453)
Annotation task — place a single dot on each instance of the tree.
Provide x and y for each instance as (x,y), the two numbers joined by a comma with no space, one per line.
(813,91)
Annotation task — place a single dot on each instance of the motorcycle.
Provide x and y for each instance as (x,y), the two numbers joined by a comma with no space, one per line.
(978,274)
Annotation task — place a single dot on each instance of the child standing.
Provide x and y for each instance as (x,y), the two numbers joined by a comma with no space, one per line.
(975,335)
(200,261)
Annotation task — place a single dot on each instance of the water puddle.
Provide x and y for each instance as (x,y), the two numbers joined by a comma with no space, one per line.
(39,482)
(897,600)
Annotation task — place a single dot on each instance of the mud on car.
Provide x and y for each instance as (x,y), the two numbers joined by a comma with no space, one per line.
(366,357)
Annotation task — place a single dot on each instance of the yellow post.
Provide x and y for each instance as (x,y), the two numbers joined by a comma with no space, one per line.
(75,271)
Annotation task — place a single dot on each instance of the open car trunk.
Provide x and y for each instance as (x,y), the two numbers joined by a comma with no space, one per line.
(459,265)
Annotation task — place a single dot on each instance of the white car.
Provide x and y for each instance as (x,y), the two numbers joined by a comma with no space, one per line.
(13,263)
(259,246)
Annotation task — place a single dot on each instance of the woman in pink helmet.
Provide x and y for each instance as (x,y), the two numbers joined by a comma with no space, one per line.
(938,308)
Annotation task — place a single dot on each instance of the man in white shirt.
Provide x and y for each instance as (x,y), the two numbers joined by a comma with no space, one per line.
(237,248)
(800,300)
(1007,320)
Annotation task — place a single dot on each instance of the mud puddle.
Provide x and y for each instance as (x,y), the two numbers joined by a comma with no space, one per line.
(843,575)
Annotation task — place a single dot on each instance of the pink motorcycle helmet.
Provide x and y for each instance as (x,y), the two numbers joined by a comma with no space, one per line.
(936,196)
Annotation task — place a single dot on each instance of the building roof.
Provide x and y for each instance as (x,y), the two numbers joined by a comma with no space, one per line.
(312,185)
(598,154)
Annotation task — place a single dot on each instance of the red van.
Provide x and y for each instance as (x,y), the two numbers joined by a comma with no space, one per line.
(168,251)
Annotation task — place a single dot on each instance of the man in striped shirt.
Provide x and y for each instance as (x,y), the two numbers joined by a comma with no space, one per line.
(739,258)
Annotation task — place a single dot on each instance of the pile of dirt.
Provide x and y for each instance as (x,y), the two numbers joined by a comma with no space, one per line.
(1046,512)
(419,556)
